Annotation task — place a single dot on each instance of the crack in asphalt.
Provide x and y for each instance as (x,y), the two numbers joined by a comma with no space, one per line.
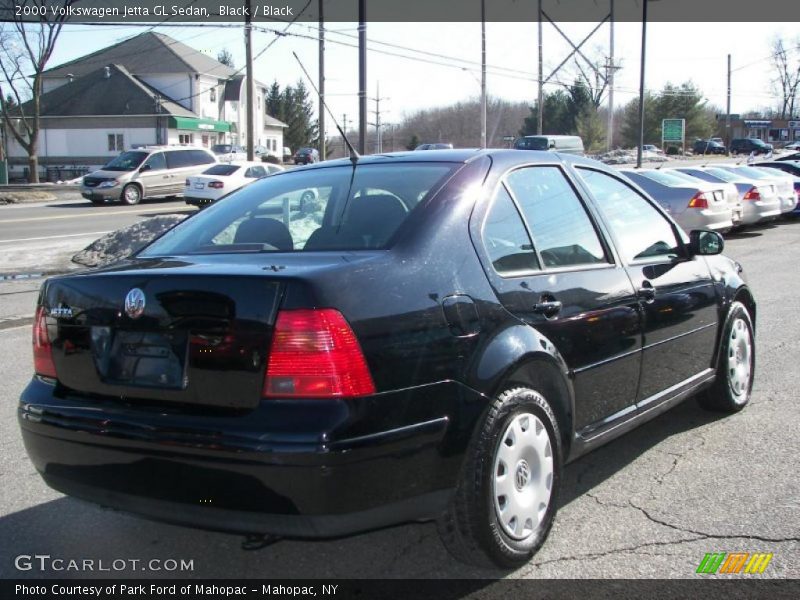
(706,535)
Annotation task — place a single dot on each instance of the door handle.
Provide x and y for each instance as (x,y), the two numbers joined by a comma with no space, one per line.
(548,308)
(647,292)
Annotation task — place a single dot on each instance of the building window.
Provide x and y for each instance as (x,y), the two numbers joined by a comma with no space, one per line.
(186,138)
(212,94)
(115,142)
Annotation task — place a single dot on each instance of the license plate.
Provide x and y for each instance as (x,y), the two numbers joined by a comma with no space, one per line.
(199,186)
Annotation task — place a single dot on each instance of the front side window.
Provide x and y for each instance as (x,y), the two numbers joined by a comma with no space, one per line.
(326,209)
(127,161)
(562,230)
(156,162)
(642,232)
(507,242)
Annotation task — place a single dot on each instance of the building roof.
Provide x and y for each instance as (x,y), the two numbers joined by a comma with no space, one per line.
(273,122)
(144,54)
(119,94)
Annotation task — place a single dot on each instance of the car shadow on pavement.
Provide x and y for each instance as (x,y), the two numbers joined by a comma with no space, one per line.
(72,529)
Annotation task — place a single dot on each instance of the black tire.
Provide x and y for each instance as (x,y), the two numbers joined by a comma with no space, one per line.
(131,194)
(470,528)
(728,393)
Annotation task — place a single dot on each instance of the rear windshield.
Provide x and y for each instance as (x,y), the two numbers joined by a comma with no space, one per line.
(222,169)
(127,161)
(748,172)
(532,143)
(330,208)
(667,179)
(724,175)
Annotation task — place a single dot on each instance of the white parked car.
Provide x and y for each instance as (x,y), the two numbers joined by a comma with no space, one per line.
(224,178)
(229,152)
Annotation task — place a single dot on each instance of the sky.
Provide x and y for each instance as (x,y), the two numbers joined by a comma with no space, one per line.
(676,52)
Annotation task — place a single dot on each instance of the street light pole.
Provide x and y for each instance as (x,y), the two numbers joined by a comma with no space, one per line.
(483,73)
(641,86)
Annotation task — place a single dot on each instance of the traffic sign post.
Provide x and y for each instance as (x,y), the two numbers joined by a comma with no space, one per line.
(673,130)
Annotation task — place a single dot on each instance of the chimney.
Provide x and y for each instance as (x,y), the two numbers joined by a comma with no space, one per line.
(108,72)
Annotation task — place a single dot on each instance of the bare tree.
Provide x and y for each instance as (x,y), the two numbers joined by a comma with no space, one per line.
(226,58)
(25,49)
(787,78)
(593,75)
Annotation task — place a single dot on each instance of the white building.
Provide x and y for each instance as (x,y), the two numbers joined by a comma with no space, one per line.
(149,89)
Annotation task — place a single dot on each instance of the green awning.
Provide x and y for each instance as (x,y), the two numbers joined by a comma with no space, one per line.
(196,124)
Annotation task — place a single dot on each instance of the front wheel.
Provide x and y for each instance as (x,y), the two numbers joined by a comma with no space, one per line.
(131,194)
(737,360)
(506,501)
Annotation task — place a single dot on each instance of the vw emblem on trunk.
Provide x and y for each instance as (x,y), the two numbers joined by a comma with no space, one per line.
(134,303)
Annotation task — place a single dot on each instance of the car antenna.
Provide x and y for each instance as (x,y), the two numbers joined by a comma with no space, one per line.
(354,156)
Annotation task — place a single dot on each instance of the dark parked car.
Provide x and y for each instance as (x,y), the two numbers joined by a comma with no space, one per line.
(305,156)
(433,339)
(750,145)
(708,147)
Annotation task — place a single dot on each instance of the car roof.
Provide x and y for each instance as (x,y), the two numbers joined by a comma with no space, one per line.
(242,163)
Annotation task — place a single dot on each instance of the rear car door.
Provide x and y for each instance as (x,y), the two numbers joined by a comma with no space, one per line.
(676,292)
(550,267)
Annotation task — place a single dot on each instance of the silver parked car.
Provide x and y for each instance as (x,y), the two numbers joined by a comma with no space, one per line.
(731,192)
(699,205)
(786,191)
(759,201)
(149,172)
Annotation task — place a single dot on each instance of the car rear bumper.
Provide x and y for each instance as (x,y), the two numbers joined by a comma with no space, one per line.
(290,468)
(197,201)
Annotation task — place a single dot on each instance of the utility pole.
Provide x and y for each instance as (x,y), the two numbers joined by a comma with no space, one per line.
(541,75)
(483,73)
(610,77)
(248,52)
(321,82)
(377,123)
(362,76)
(641,87)
(728,108)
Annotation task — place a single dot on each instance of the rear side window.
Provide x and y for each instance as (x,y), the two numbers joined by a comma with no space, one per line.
(255,172)
(507,242)
(642,232)
(200,157)
(562,230)
(333,208)
(179,159)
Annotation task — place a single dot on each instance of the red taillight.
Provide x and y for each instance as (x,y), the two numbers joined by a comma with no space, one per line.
(699,200)
(216,185)
(752,194)
(42,350)
(315,354)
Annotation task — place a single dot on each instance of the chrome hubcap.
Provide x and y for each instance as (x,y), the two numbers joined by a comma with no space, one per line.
(523,476)
(740,364)
(131,194)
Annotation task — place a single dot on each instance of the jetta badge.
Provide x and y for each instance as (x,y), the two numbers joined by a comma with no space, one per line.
(134,303)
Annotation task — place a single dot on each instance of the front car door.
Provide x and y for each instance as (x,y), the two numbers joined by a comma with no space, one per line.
(676,291)
(155,179)
(550,267)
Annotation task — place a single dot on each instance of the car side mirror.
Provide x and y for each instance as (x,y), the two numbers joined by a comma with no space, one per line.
(703,242)
(144,168)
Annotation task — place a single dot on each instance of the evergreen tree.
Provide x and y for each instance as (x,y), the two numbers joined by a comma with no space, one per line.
(413,142)
(298,110)
(274,102)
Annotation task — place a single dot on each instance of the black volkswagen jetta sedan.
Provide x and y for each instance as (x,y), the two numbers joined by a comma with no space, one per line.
(433,337)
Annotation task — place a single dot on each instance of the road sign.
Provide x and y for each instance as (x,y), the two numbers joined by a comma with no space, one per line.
(508,138)
(673,130)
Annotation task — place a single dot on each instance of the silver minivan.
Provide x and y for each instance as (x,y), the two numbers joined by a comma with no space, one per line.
(150,172)
(566,144)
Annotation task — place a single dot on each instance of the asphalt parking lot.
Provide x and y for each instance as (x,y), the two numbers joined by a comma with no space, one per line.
(650,504)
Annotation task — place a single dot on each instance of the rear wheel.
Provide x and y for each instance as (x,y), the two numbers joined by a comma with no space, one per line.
(737,361)
(505,503)
(131,194)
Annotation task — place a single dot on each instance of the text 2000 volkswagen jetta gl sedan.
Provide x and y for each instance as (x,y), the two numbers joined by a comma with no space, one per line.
(432,338)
